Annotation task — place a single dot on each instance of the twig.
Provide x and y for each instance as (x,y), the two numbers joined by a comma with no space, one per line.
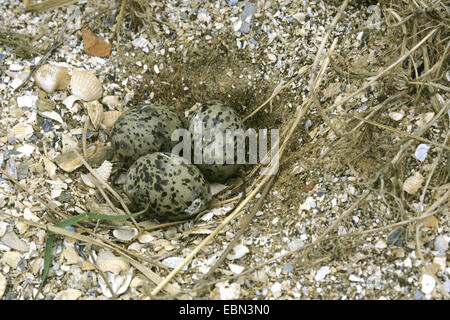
(114,193)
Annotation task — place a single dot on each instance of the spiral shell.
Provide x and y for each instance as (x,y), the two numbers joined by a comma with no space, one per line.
(51,78)
(85,85)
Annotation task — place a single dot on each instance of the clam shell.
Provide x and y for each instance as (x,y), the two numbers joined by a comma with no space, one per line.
(85,85)
(103,172)
(125,233)
(69,161)
(51,78)
(95,112)
(413,183)
(21,131)
(110,117)
(2,285)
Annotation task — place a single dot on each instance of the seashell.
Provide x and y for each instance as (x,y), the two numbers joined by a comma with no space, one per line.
(95,112)
(2,285)
(108,262)
(103,172)
(396,116)
(68,143)
(125,233)
(94,45)
(85,85)
(110,117)
(51,78)
(68,294)
(112,101)
(413,183)
(119,283)
(21,131)
(69,161)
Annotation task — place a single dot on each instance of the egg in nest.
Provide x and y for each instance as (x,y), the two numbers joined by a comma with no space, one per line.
(144,129)
(172,188)
(208,128)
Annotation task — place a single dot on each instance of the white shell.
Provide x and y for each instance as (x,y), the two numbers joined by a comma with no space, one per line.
(2,285)
(21,131)
(51,78)
(85,85)
(103,172)
(95,112)
(413,183)
(125,233)
(396,116)
(110,117)
(112,101)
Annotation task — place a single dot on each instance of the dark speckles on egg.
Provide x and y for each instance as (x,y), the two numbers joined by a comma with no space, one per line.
(219,118)
(171,196)
(144,129)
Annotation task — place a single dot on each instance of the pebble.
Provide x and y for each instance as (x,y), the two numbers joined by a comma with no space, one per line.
(13,241)
(322,273)
(247,17)
(441,244)
(428,283)
(173,262)
(238,252)
(421,152)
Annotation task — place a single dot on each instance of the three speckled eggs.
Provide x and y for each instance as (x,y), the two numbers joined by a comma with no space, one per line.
(171,187)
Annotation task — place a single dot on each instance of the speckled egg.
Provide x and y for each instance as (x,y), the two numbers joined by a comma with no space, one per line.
(144,129)
(173,189)
(211,122)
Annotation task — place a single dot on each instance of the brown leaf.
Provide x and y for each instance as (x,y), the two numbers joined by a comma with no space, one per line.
(95,46)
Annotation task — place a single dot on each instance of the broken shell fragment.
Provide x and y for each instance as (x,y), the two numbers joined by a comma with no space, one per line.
(21,131)
(95,112)
(413,183)
(125,233)
(85,85)
(103,172)
(70,161)
(51,78)
(110,117)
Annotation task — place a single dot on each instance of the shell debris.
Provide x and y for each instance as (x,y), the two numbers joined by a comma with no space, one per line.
(85,85)
(51,78)
(103,172)
(95,112)
(110,117)
(413,183)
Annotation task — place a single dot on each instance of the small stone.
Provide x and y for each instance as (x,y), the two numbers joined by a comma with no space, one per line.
(421,152)
(68,294)
(229,291)
(428,283)
(276,290)
(441,244)
(12,258)
(173,262)
(13,241)
(322,273)
(238,252)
